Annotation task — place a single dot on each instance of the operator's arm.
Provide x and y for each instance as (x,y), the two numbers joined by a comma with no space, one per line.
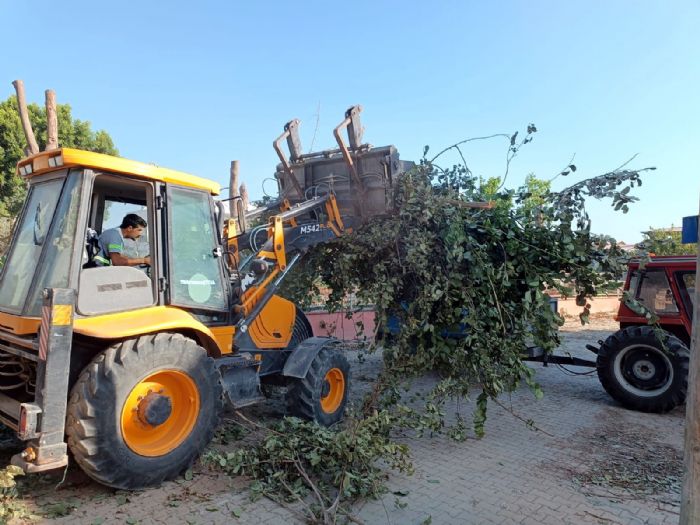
(122,260)
(113,244)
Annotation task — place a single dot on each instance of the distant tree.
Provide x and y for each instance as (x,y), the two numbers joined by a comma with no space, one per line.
(533,194)
(72,133)
(665,241)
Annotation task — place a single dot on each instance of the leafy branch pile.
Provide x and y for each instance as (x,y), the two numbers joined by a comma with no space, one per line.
(437,267)
(318,469)
(10,507)
(440,266)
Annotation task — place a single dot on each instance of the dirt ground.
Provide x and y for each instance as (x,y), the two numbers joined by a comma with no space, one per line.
(623,473)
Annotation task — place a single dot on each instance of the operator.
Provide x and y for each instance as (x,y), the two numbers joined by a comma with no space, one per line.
(111,243)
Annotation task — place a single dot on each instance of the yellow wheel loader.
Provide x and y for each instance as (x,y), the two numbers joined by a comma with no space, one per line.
(129,367)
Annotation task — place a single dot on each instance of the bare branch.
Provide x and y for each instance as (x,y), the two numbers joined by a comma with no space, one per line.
(318,119)
(567,167)
(32,146)
(626,163)
(506,136)
(244,197)
(51,120)
(233,181)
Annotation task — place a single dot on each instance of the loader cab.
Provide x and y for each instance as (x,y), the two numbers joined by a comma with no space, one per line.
(180,238)
(87,194)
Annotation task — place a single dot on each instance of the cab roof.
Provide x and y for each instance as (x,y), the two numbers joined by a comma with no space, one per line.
(51,160)
(674,261)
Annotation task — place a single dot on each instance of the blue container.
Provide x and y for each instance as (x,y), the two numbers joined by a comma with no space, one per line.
(690,230)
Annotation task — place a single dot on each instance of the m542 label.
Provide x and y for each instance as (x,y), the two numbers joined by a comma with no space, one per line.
(310,228)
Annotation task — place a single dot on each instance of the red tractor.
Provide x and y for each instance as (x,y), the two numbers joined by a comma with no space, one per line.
(642,366)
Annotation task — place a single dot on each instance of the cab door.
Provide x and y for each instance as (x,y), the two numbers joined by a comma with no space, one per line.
(195,271)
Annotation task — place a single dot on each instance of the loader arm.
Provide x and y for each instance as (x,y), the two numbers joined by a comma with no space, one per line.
(290,234)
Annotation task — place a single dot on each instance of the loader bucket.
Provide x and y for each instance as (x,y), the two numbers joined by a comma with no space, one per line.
(361,177)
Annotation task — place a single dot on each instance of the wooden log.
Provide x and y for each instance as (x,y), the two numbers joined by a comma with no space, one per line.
(244,197)
(690,498)
(244,204)
(233,181)
(51,120)
(233,189)
(32,146)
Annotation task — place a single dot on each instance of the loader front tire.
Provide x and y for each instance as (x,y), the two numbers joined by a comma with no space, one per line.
(322,394)
(143,410)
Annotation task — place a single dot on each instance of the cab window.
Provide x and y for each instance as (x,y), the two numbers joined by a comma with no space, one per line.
(655,292)
(196,278)
(106,287)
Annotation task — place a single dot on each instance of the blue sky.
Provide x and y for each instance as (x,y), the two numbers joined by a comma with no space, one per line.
(192,85)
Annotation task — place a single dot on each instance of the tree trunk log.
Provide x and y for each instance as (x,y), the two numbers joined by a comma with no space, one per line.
(244,197)
(233,189)
(233,182)
(245,204)
(690,499)
(51,121)
(32,147)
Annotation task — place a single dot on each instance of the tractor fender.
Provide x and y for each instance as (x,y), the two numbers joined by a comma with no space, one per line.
(300,359)
(132,323)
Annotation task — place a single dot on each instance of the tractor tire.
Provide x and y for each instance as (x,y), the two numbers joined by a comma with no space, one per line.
(143,410)
(636,371)
(322,394)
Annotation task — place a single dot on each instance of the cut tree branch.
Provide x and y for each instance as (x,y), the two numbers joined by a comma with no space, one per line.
(32,146)
(51,121)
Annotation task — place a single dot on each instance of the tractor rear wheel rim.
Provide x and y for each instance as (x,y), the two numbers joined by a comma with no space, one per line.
(645,370)
(159,439)
(335,388)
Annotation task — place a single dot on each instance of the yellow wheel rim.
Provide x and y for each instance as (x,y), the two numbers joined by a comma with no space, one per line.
(151,432)
(335,383)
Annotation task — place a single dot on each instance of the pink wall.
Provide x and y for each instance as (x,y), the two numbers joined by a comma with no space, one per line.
(336,325)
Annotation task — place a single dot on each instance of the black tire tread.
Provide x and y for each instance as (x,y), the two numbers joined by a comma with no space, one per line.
(301,329)
(84,410)
(680,357)
(304,395)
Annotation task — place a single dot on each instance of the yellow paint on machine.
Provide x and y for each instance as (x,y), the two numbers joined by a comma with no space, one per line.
(224,337)
(143,321)
(19,325)
(75,157)
(273,327)
(62,314)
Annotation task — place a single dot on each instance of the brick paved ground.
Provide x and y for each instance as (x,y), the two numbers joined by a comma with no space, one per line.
(515,475)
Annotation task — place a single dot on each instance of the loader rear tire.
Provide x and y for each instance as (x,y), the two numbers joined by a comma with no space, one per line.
(322,394)
(636,370)
(143,410)
(301,329)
